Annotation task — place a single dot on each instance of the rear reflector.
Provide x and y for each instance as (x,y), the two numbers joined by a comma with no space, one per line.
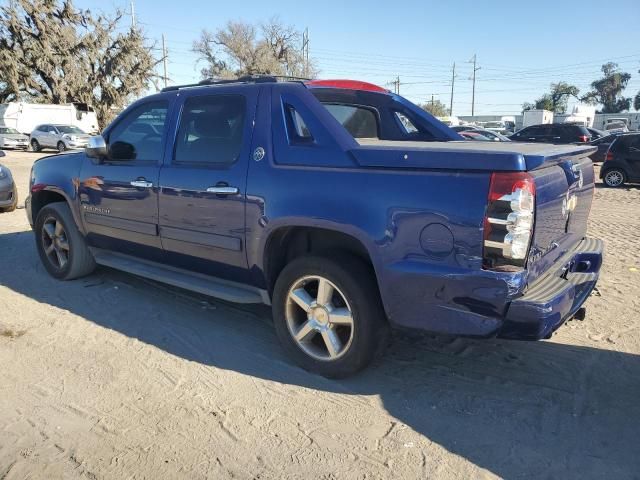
(348,84)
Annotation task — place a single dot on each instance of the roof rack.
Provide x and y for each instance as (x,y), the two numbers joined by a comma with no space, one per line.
(243,79)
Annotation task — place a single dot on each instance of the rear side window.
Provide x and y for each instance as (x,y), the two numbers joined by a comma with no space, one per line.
(211,130)
(407,125)
(360,122)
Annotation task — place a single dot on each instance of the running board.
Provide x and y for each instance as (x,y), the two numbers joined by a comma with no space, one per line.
(196,282)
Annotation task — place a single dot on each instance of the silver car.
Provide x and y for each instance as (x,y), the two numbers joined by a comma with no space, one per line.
(60,137)
(8,192)
(11,138)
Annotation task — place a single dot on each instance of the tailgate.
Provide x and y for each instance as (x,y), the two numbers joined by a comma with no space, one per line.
(564,191)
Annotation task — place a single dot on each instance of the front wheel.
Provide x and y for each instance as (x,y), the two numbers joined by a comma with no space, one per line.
(328,314)
(614,178)
(62,248)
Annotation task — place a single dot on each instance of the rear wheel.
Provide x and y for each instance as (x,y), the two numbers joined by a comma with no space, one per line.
(63,250)
(614,177)
(35,146)
(328,314)
(61,147)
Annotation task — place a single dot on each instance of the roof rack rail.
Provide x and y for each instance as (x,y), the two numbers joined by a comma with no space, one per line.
(243,79)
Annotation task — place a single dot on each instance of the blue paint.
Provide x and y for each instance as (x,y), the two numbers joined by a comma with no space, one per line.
(416,208)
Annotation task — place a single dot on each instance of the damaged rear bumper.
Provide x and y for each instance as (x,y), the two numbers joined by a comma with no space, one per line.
(556,297)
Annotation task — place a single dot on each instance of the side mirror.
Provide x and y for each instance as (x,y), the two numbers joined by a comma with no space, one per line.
(97,147)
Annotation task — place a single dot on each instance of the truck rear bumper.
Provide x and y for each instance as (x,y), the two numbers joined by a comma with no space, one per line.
(556,297)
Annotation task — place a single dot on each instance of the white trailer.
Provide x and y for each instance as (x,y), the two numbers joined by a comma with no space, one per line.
(583,115)
(24,117)
(536,117)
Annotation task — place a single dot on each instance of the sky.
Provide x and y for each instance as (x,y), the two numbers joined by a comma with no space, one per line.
(521,47)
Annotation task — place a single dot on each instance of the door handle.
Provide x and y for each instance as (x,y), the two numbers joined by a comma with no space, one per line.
(223,190)
(141,183)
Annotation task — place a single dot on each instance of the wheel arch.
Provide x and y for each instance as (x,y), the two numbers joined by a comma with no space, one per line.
(41,196)
(286,243)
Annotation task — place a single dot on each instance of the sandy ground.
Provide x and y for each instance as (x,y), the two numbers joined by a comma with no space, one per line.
(112,376)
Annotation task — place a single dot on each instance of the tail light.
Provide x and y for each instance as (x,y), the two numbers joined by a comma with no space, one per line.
(508,223)
(608,156)
(583,138)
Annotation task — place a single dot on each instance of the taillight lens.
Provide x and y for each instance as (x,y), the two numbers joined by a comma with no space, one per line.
(508,223)
(608,156)
(583,138)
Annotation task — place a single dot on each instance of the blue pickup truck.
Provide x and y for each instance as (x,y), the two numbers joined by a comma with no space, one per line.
(346,208)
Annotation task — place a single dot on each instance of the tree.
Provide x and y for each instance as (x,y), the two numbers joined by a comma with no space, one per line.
(436,108)
(556,100)
(52,52)
(608,90)
(243,49)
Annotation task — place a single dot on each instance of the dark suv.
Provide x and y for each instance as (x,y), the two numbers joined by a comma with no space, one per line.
(622,161)
(560,133)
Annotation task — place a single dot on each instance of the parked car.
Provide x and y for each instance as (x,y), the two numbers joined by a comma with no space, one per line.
(11,138)
(8,191)
(314,197)
(603,144)
(622,161)
(557,133)
(489,134)
(60,137)
(473,135)
(596,134)
(616,127)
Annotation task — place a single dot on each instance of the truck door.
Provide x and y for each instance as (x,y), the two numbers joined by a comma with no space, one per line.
(203,182)
(119,194)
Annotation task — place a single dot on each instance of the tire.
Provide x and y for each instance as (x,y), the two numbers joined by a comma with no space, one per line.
(355,296)
(61,147)
(35,146)
(614,177)
(74,261)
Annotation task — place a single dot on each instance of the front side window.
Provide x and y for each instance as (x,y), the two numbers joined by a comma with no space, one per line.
(69,129)
(360,122)
(211,130)
(138,136)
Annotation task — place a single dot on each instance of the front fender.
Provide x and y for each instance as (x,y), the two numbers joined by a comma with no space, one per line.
(51,177)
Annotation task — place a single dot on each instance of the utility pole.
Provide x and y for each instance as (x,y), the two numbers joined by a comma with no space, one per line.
(133,15)
(305,51)
(164,60)
(473,89)
(397,82)
(453,81)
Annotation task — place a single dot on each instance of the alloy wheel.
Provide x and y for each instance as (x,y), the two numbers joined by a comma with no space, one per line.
(614,178)
(55,243)
(319,318)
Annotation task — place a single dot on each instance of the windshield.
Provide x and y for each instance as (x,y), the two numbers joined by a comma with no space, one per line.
(8,130)
(69,129)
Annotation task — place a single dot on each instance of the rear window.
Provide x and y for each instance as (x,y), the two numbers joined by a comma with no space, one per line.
(360,122)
